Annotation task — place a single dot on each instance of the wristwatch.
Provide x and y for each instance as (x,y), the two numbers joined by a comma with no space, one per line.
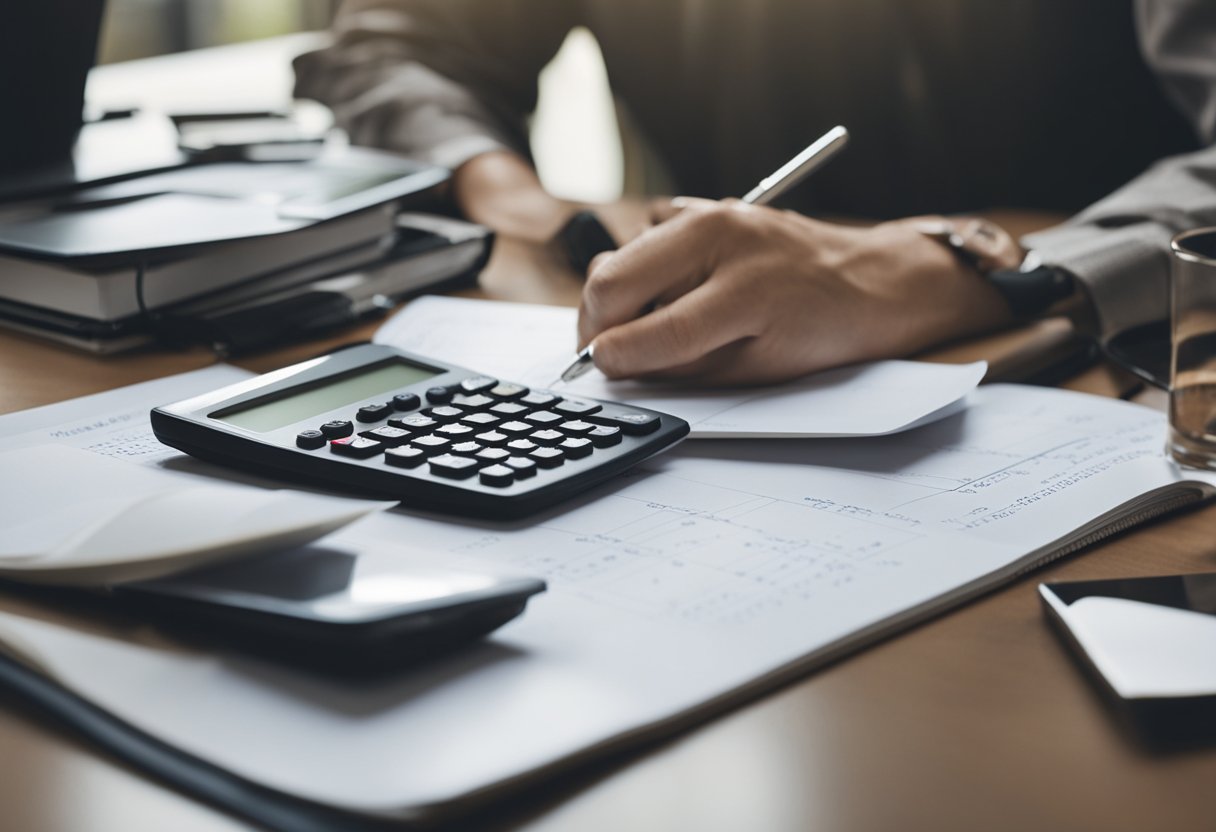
(1029,286)
(583,237)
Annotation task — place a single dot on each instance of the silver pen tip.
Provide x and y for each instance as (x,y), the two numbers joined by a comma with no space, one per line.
(582,362)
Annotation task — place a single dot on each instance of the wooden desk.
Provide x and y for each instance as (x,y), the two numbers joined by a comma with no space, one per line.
(977,720)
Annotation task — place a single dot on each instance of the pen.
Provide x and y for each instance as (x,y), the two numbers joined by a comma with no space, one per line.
(813,157)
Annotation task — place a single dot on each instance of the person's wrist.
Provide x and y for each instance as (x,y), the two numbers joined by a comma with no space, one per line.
(1030,287)
(935,295)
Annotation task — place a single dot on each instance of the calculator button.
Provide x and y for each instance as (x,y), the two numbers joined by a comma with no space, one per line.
(544,418)
(431,445)
(455,431)
(605,437)
(439,395)
(634,424)
(337,429)
(478,384)
(492,437)
(359,447)
(466,448)
(392,437)
(546,437)
(576,447)
(516,428)
(509,409)
(406,401)
(577,407)
(372,412)
(548,457)
(310,440)
(521,446)
(407,457)
(506,390)
(497,475)
(489,456)
(475,402)
(414,423)
(480,420)
(540,398)
(453,467)
(444,413)
(521,465)
(576,427)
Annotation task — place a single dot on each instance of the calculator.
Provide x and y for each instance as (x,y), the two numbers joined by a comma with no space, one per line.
(382,422)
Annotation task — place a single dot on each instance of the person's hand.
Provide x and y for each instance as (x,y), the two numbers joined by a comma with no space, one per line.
(728,293)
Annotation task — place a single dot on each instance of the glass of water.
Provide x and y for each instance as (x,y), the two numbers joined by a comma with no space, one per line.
(1192,440)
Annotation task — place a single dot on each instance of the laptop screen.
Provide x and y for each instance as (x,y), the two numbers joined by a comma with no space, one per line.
(46,50)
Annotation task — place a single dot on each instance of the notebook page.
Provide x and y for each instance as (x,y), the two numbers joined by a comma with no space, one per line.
(712,568)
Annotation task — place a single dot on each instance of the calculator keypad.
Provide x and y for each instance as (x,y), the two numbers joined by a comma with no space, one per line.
(499,475)
(406,401)
(359,447)
(405,457)
(337,429)
(439,395)
(508,391)
(372,413)
(391,437)
(478,384)
(310,440)
(498,431)
(414,423)
(453,467)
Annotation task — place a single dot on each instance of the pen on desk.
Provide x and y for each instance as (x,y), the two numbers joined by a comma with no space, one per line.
(813,157)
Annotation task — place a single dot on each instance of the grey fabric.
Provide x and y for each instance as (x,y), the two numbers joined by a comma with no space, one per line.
(954,105)
(1119,247)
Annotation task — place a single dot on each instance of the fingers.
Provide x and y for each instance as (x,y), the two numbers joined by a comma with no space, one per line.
(663,209)
(665,262)
(674,337)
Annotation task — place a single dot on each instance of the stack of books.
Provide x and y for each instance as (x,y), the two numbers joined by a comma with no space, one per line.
(236,254)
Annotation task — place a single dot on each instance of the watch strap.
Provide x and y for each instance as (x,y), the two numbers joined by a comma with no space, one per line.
(1032,292)
(582,238)
(1029,288)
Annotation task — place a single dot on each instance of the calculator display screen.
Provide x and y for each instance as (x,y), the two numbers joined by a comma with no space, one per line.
(262,415)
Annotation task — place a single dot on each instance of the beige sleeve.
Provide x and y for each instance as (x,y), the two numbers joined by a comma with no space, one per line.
(438,80)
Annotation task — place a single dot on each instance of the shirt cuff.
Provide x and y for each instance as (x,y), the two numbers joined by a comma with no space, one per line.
(1125,270)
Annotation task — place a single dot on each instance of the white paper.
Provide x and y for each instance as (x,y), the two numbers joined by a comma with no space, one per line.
(1147,650)
(114,423)
(71,516)
(712,568)
(533,344)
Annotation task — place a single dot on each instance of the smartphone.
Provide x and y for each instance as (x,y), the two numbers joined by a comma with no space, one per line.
(1150,644)
(332,609)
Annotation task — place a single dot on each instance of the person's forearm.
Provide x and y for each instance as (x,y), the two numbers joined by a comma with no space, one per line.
(438,80)
(501,190)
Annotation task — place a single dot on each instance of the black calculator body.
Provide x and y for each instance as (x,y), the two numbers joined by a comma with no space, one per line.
(378,421)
